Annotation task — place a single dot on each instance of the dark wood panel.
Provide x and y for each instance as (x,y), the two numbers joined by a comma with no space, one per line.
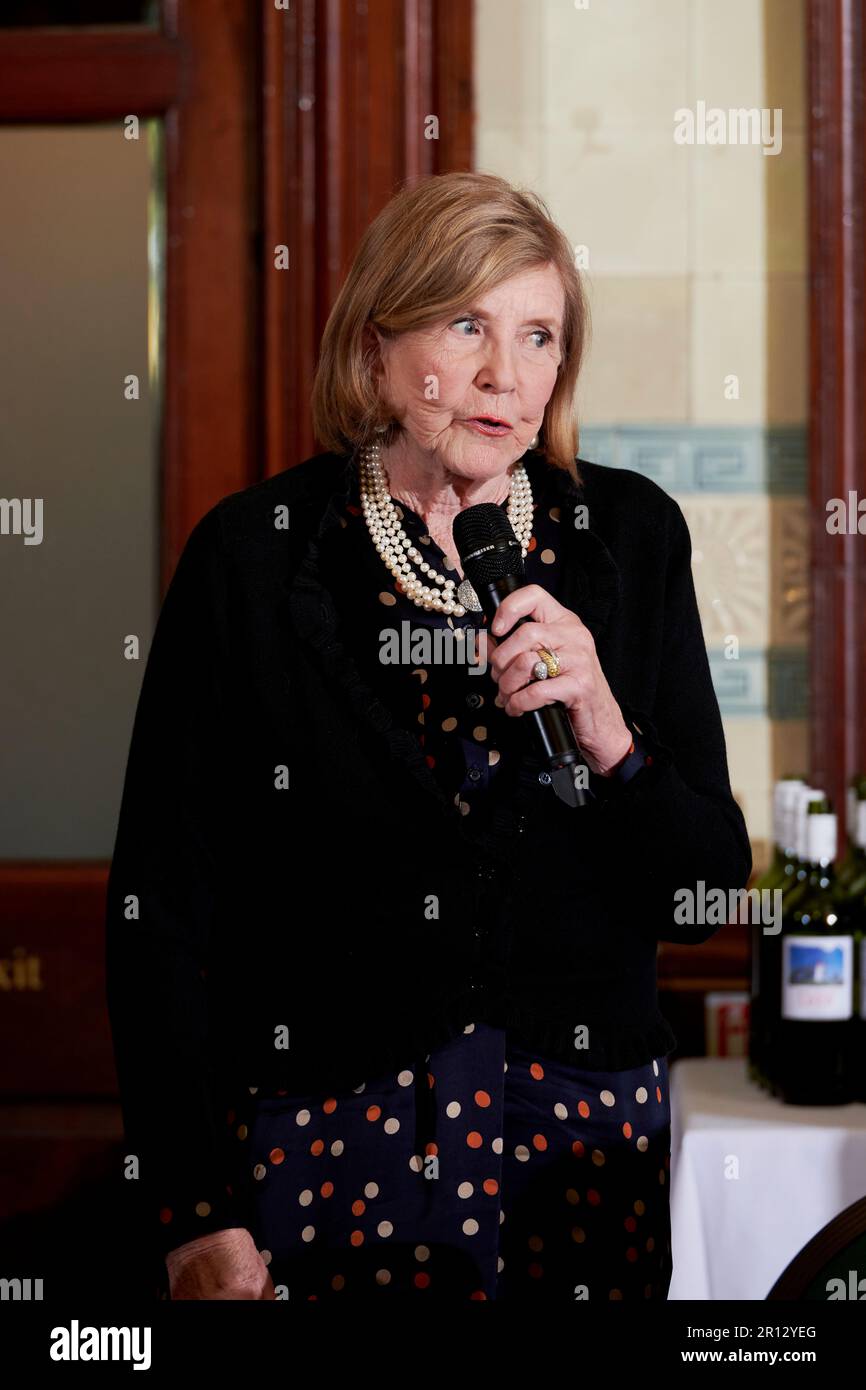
(837,184)
(48,75)
(54,1034)
(347,94)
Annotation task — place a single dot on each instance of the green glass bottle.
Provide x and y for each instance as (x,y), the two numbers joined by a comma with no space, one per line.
(771,880)
(852,911)
(853,862)
(794,801)
(812,1062)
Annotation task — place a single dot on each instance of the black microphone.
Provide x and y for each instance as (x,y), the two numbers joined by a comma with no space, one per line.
(491,560)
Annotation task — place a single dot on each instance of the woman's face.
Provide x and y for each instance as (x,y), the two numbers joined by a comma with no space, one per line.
(499,358)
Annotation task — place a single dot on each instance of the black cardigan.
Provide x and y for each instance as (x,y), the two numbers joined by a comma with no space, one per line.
(294,901)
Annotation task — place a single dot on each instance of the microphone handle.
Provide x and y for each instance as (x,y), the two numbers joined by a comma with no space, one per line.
(553,732)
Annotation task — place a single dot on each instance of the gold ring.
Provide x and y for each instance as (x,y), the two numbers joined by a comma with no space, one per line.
(547,666)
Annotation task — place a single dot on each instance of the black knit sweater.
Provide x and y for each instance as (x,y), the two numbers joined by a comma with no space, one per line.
(296,901)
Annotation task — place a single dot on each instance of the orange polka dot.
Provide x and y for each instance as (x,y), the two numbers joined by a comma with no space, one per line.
(431,1148)
(626,1129)
(425,701)
(630,1223)
(373,1112)
(582,1109)
(276,1155)
(535,1271)
(421,1280)
(473,1139)
(658,1093)
(532,544)
(317,1146)
(482,1098)
(431,1080)
(479,1295)
(491,1186)
(578,1149)
(539,1142)
(359,1207)
(327,1189)
(330,1106)
(430,760)
(631,1254)
(593,1197)
(537,1070)
(357,1238)
(166,1215)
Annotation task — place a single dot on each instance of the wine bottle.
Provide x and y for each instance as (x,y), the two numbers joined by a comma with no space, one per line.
(852,911)
(794,801)
(853,862)
(812,1063)
(773,878)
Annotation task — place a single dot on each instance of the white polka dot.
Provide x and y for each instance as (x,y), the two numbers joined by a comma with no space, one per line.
(302,1117)
(452,1109)
(385,1229)
(242,1131)
(308,1233)
(422,1253)
(391,1126)
(521,1153)
(500,1265)
(416,1163)
(640,1094)
(656,1067)
(496,1146)
(259,1171)
(607,1098)
(465,1189)
(501,1216)
(597,1157)
(383,1276)
(253,1090)
(371,1189)
(470,1226)
(356,1090)
(305,1197)
(337,1147)
(470,1028)
(560,1111)
(643,1143)
(266,1256)
(202,1209)
(405,1078)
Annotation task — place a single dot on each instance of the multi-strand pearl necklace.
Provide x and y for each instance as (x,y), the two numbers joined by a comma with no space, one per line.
(396,548)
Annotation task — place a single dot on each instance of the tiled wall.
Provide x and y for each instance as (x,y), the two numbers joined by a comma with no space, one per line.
(696,269)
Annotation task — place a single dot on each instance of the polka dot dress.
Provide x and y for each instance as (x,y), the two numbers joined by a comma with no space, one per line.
(533,1181)
(486,1171)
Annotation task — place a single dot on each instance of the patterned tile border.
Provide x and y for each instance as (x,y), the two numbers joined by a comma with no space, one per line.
(697,458)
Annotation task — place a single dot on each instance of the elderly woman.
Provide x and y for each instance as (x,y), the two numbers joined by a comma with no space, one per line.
(384,1003)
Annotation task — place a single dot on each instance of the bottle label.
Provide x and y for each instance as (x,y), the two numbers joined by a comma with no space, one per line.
(817,977)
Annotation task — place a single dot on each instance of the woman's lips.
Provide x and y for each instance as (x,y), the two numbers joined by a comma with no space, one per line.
(482,427)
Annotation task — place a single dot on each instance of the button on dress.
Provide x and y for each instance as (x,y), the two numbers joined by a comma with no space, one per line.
(482,1170)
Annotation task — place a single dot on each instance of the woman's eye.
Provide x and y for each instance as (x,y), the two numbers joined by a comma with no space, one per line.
(464,320)
(542,333)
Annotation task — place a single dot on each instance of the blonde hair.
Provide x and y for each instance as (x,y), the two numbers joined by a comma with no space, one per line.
(436,246)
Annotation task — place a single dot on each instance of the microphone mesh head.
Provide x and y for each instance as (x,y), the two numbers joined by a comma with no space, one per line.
(486,528)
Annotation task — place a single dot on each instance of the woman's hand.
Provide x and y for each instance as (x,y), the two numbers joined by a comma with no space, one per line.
(225,1264)
(581,686)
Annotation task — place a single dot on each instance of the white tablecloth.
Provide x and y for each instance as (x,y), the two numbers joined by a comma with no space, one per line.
(798,1167)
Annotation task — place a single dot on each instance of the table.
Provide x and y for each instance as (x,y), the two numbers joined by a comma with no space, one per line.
(752,1180)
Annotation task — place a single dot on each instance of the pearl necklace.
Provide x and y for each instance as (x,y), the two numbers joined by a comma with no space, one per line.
(395,546)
